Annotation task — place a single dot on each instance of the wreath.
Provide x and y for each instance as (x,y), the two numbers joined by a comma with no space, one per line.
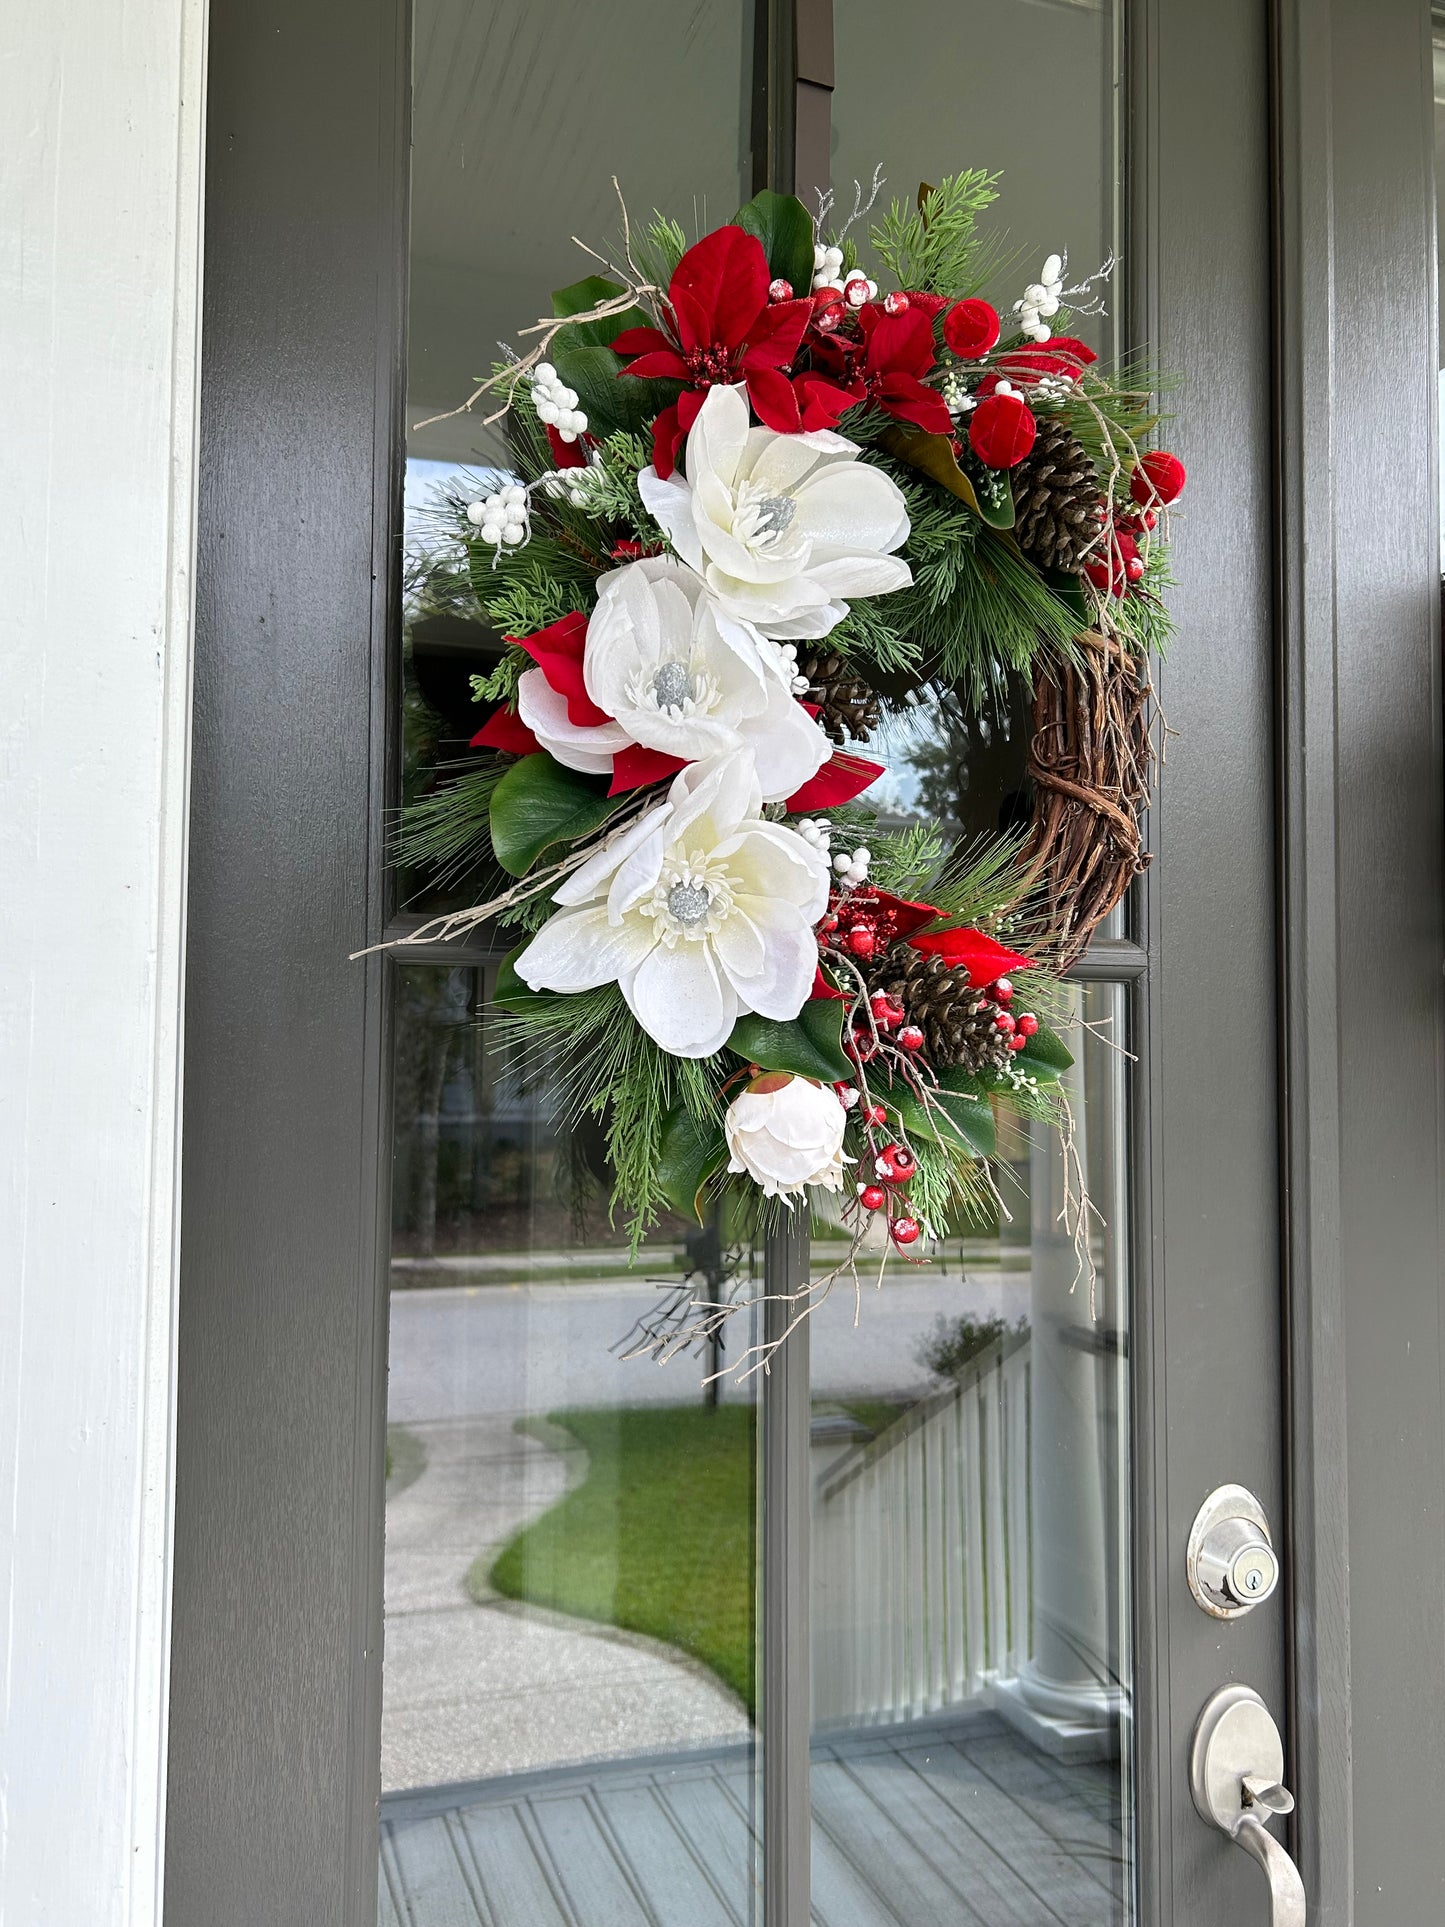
(756,505)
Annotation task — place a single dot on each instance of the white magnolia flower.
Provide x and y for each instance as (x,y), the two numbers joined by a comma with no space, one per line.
(787,1132)
(780,527)
(700,911)
(675,674)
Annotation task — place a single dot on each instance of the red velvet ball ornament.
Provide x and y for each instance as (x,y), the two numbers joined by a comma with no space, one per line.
(1158,478)
(1002,991)
(910,1037)
(872,1197)
(827,295)
(971,328)
(1028,1024)
(904,1231)
(1002,430)
(780,290)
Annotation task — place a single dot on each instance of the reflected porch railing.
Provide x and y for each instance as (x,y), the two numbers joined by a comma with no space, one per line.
(922,1562)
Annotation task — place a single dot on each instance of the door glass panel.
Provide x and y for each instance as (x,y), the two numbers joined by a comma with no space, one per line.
(569,1667)
(970,1575)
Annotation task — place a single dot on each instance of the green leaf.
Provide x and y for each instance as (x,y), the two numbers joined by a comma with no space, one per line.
(591,292)
(612,402)
(808,1045)
(1045,1056)
(969,1116)
(1070,591)
(539,803)
(510,992)
(690,1152)
(785,228)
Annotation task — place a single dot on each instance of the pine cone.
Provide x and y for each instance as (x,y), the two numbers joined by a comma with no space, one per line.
(957,1020)
(847,706)
(1056,498)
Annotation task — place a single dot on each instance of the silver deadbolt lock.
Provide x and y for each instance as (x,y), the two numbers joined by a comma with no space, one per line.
(1231,1561)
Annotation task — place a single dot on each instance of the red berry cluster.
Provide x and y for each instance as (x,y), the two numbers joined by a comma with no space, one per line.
(1117,564)
(893,1165)
(1018,1029)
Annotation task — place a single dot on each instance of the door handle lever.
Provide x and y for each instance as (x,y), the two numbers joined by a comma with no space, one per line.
(1236,1768)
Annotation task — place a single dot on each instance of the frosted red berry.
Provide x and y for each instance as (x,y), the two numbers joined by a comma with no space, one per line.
(910,1037)
(895,303)
(873,1114)
(1028,1023)
(1005,1022)
(1018,1042)
(780,290)
(862,940)
(872,1197)
(1002,991)
(904,1231)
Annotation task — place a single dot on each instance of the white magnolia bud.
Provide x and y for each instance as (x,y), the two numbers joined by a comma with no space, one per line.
(787,1133)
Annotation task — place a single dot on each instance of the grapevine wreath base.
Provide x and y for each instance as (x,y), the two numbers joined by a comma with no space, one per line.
(764,492)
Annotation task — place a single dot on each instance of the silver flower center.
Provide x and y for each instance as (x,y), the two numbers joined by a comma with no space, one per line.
(688,903)
(775,514)
(671,685)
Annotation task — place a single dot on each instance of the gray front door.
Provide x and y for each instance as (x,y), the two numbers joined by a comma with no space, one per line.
(900,1631)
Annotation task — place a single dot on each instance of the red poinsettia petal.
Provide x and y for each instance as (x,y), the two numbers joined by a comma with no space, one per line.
(777,334)
(904,916)
(773,400)
(664,364)
(823,991)
(667,434)
(724,283)
(565,454)
(984,958)
(898,343)
(557,651)
(639,341)
(823,403)
(634,767)
(841,778)
(929,304)
(910,401)
(506,731)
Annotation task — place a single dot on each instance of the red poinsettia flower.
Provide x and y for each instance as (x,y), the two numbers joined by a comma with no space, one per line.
(983,957)
(883,364)
(723,329)
(1064,355)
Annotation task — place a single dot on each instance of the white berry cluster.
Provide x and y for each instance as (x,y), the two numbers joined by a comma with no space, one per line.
(556,404)
(828,273)
(799,684)
(956,398)
(1041,300)
(852,868)
(501,518)
(816,830)
(572,485)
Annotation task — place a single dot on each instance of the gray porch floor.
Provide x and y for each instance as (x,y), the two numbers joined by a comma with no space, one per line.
(936,1824)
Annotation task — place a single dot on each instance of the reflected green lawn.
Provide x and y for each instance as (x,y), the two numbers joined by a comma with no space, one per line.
(659,1536)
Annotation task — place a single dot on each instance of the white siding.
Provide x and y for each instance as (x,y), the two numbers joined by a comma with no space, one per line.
(100,201)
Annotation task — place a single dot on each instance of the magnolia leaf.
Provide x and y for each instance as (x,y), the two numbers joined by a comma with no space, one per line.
(785,228)
(1070,591)
(992,489)
(808,1045)
(952,1117)
(539,803)
(688,1155)
(588,293)
(966,1099)
(510,992)
(934,455)
(1045,1056)
(610,400)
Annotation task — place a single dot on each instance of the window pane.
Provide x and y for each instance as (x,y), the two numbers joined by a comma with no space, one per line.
(971,1650)
(569,1670)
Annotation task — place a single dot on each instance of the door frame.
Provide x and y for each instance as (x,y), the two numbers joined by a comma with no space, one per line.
(275,1703)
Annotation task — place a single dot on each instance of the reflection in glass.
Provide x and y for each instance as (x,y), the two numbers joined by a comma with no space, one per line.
(970,1551)
(569,1640)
